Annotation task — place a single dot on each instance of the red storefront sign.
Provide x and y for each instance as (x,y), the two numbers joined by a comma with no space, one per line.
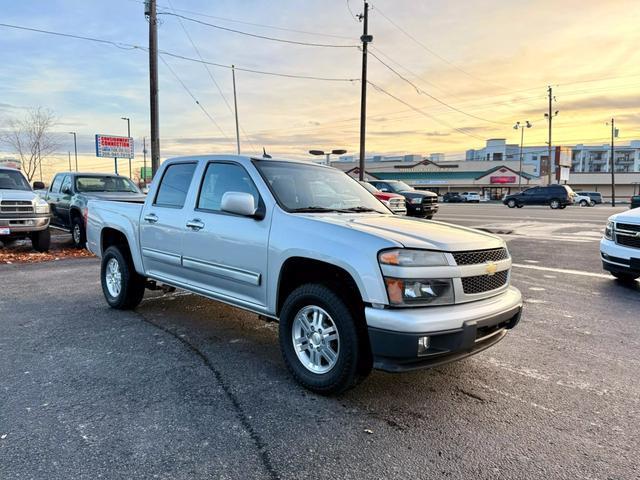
(503,179)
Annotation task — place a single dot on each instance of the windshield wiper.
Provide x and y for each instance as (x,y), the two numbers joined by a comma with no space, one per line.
(361,209)
(312,209)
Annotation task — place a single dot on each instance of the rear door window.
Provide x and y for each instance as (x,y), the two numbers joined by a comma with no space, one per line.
(174,185)
(66,183)
(57,182)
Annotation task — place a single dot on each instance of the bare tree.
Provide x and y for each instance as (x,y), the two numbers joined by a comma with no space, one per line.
(31,138)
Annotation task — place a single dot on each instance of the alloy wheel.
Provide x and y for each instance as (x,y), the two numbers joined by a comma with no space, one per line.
(316,340)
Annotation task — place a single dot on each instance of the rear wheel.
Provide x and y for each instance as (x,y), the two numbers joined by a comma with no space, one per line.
(519,206)
(78,233)
(511,203)
(584,203)
(122,286)
(554,204)
(320,341)
(41,241)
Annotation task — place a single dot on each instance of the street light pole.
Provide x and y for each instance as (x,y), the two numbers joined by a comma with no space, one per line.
(328,153)
(520,126)
(613,164)
(129,137)
(75,148)
(235,106)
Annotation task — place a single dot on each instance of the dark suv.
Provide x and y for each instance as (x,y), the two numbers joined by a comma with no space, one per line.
(556,196)
(420,203)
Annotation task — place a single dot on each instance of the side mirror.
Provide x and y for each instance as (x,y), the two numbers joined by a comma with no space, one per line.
(38,186)
(240,203)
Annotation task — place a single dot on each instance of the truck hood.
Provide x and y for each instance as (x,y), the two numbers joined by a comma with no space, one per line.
(415,232)
(115,196)
(18,195)
(630,216)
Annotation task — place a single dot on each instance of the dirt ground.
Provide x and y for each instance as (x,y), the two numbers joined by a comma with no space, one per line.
(22,252)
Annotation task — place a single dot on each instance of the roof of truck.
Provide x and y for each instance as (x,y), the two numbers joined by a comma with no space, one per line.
(246,158)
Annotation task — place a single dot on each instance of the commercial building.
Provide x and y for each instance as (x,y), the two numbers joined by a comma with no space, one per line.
(594,159)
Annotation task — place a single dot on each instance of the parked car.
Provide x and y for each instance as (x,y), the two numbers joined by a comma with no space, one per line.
(70,192)
(396,203)
(583,200)
(420,203)
(595,196)
(620,246)
(452,197)
(556,196)
(23,214)
(353,287)
(471,197)
(635,201)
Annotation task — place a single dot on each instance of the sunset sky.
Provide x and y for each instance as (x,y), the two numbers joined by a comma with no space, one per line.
(489,60)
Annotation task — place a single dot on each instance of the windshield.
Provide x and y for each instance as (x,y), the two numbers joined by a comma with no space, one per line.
(13,180)
(105,184)
(400,186)
(301,187)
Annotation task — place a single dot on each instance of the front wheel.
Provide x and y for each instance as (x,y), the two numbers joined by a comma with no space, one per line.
(625,277)
(122,286)
(320,341)
(41,241)
(511,203)
(519,206)
(554,204)
(583,203)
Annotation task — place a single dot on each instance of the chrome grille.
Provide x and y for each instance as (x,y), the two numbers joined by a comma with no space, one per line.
(484,283)
(628,226)
(480,256)
(16,206)
(429,200)
(397,202)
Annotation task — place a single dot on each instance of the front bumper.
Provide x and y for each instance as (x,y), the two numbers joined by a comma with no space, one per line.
(454,331)
(421,210)
(619,258)
(25,224)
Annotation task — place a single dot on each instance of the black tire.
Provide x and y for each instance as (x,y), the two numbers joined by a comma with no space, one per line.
(584,203)
(429,217)
(132,285)
(554,203)
(625,277)
(353,361)
(519,205)
(78,232)
(41,241)
(511,203)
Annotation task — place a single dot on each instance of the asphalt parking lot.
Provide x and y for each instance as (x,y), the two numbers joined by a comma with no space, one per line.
(184,387)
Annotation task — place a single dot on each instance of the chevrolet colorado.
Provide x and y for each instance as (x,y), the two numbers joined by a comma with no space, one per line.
(352,285)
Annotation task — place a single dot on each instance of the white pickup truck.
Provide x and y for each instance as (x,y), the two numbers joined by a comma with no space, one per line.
(352,285)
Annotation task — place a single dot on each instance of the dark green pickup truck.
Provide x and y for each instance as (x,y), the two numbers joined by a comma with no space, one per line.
(70,192)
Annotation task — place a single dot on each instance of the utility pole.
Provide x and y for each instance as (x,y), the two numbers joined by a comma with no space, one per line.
(612,164)
(151,13)
(365,39)
(235,106)
(550,122)
(39,160)
(521,126)
(144,160)
(129,137)
(75,148)
(69,161)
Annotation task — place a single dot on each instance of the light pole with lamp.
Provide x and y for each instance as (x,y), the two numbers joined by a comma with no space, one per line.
(129,137)
(75,148)
(328,153)
(521,126)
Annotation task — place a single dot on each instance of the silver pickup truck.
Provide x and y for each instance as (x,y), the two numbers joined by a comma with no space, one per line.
(352,285)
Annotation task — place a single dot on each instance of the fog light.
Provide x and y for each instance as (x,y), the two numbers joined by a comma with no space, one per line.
(423,345)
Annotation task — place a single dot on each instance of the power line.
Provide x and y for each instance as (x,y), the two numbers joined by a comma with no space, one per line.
(422,92)
(129,46)
(421,112)
(212,77)
(194,97)
(255,35)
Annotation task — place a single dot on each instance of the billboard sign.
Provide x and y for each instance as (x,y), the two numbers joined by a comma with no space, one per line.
(11,163)
(111,146)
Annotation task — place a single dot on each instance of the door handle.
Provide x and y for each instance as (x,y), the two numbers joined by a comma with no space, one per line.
(195,224)
(151,218)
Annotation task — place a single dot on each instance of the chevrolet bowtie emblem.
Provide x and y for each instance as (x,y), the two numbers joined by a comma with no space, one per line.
(491,268)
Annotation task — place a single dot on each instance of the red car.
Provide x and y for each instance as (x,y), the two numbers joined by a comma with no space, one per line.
(395,202)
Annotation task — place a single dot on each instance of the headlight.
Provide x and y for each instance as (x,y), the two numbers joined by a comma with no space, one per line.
(608,231)
(404,257)
(41,206)
(386,202)
(416,200)
(412,292)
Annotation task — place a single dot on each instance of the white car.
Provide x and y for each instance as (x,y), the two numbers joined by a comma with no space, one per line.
(583,200)
(620,246)
(471,197)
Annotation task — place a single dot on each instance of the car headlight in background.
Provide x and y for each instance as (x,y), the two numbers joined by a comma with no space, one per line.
(608,231)
(413,292)
(41,206)
(386,202)
(404,257)
(416,200)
